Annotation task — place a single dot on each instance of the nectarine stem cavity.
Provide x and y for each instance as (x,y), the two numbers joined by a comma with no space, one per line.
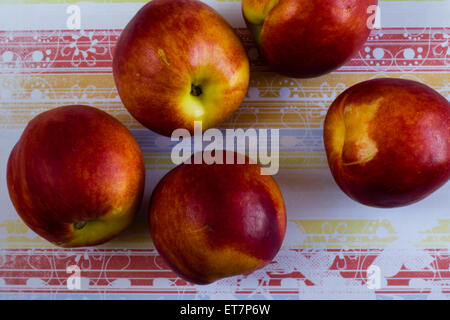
(79,225)
(195,90)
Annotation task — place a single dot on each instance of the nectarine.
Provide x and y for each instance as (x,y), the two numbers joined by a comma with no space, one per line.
(308,38)
(214,221)
(388,141)
(76,176)
(179,61)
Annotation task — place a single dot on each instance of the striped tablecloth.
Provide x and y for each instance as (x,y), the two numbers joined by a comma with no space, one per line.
(331,241)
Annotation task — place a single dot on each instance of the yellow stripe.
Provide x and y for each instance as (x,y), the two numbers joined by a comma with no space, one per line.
(304,101)
(144,1)
(320,233)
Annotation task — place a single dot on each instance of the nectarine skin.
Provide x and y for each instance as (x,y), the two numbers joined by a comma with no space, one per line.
(213,221)
(178,61)
(307,38)
(388,141)
(76,176)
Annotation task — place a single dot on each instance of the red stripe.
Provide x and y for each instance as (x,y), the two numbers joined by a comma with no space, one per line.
(147,273)
(91,51)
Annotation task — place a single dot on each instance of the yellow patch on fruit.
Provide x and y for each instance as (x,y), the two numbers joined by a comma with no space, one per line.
(92,231)
(255,12)
(193,107)
(206,89)
(206,262)
(227,262)
(334,127)
(358,146)
(162,56)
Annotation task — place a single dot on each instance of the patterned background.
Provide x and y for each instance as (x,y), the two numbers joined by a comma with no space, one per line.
(331,240)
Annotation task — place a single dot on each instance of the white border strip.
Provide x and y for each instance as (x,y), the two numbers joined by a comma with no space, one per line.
(116,15)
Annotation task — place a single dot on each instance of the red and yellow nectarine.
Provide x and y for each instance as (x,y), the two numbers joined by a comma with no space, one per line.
(388,141)
(178,61)
(214,221)
(76,176)
(308,38)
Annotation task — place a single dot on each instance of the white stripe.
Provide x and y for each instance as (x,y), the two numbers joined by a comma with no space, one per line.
(117,15)
(93,15)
